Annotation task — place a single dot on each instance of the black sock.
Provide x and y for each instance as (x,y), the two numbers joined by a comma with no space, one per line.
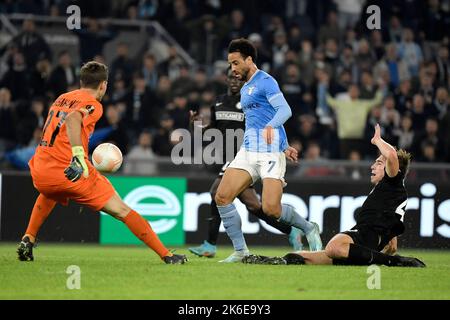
(214,224)
(362,256)
(272,221)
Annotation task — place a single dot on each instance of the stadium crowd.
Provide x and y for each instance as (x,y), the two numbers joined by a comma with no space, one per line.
(339,77)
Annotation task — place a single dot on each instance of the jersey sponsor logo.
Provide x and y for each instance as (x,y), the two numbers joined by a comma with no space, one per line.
(230,115)
(90,109)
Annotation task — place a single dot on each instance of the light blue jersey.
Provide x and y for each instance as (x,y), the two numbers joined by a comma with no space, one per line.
(261,98)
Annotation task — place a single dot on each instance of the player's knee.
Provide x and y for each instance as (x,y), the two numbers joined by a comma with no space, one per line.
(335,250)
(121,211)
(253,206)
(222,199)
(272,210)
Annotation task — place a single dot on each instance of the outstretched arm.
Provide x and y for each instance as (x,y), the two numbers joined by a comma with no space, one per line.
(388,151)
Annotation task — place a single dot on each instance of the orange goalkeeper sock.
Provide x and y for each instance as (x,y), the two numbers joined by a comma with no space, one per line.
(42,208)
(141,229)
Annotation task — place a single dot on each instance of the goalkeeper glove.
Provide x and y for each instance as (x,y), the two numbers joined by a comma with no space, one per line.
(77,166)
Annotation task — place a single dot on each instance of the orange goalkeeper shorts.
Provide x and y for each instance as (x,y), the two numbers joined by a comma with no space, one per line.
(93,191)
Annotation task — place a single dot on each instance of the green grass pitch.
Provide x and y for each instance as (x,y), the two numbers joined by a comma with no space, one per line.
(137,273)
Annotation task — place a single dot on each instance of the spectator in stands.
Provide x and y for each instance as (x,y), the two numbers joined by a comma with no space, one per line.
(119,91)
(122,67)
(141,111)
(398,70)
(150,71)
(433,22)
(390,117)
(313,151)
(63,75)
(141,158)
(92,39)
(39,78)
(368,86)
(377,44)
(7,121)
(445,129)
(351,115)
(427,90)
(403,96)
(17,78)
(405,134)
(330,30)
(331,52)
(306,63)
(171,66)
(178,111)
(295,38)
(418,112)
(410,52)
(355,172)
(31,43)
(349,12)
(394,31)
(279,48)
(177,24)
(20,156)
(292,88)
(430,135)
(365,60)
(31,119)
(237,27)
(443,65)
(441,102)
(346,62)
(161,144)
(264,59)
(427,152)
(184,82)
(164,91)
(306,130)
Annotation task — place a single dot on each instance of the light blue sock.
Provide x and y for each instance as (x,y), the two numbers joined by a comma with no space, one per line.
(292,218)
(232,223)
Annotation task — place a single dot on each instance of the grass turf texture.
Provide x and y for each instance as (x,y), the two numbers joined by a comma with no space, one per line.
(137,273)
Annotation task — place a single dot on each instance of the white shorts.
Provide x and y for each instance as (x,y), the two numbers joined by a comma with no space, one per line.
(261,164)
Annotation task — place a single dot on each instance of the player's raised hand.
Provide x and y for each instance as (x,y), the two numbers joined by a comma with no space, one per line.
(268,134)
(291,153)
(77,166)
(377,135)
(194,116)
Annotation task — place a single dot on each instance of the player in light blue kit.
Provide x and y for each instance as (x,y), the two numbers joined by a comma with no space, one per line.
(263,152)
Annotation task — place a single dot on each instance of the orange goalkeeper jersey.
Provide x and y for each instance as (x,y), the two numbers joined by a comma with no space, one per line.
(54,152)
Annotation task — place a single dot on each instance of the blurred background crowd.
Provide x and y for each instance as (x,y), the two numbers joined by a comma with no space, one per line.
(339,77)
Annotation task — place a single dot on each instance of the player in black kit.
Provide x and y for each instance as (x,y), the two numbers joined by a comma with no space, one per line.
(373,240)
(227,114)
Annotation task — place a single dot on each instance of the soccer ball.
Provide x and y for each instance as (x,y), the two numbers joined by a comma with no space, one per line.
(107,157)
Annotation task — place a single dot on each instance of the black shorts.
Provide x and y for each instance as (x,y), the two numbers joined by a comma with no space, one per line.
(368,237)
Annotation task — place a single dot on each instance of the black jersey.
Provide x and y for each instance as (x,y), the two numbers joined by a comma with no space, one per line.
(227,113)
(385,206)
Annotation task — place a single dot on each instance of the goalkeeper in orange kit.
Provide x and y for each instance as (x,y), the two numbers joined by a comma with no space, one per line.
(61,170)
